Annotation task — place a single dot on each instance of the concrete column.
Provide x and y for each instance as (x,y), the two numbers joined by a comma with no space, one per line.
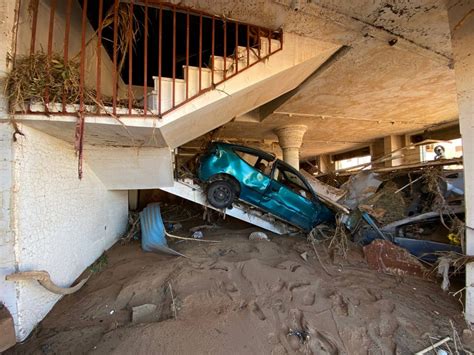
(392,143)
(326,165)
(377,150)
(412,155)
(290,139)
(461,23)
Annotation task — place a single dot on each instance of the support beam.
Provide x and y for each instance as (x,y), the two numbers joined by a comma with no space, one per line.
(461,22)
(290,139)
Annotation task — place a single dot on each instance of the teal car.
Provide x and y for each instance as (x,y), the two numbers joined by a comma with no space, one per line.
(233,172)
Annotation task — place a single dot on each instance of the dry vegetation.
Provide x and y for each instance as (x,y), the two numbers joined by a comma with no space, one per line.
(36,76)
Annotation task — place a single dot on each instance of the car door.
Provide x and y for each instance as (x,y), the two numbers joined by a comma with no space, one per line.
(285,198)
(253,181)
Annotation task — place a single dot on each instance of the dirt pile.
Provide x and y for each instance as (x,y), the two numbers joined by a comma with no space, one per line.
(245,297)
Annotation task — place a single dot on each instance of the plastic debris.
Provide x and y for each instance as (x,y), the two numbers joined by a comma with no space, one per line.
(203,226)
(258,236)
(433,346)
(198,235)
(174,227)
(443,270)
(153,231)
(304,256)
(302,335)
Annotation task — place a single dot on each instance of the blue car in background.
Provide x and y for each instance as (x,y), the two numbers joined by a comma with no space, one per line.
(236,172)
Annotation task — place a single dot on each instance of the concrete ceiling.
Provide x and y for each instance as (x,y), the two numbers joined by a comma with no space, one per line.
(393,76)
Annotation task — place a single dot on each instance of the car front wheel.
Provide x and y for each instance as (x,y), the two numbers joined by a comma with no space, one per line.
(221,194)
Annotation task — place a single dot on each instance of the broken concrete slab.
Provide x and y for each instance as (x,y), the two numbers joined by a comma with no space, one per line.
(329,192)
(144,313)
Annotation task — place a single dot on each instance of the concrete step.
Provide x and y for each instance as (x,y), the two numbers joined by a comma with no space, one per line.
(242,55)
(265,46)
(219,67)
(193,82)
(166,94)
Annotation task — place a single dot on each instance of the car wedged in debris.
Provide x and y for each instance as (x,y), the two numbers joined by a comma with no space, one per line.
(237,172)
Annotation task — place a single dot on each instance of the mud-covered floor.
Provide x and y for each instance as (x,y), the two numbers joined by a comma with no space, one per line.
(244,297)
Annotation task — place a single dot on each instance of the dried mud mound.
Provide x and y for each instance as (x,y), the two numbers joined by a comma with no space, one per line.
(244,297)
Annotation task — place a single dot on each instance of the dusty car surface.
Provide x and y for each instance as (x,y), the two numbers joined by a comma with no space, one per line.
(236,172)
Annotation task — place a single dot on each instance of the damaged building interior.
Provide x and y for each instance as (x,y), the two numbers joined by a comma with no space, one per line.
(244,177)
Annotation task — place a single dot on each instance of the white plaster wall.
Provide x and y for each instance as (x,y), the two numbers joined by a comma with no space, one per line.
(122,168)
(7,237)
(63,223)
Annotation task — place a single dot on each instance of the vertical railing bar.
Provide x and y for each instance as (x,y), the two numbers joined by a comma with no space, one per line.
(225,49)
(145,63)
(51,28)
(212,48)
(187,55)
(50,48)
(99,53)
(281,39)
(269,42)
(248,45)
(160,44)
(130,45)
(259,46)
(200,53)
(33,27)
(83,57)
(17,25)
(115,69)
(174,58)
(66,44)
(236,47)
(79,133)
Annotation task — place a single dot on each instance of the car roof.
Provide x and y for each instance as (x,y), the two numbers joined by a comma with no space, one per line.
(258,152)
(255,151)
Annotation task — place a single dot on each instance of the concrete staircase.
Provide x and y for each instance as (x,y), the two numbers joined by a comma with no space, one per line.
(263,81)
(197,79)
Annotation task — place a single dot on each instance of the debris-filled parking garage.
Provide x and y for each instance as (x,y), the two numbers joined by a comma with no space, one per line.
(273,176)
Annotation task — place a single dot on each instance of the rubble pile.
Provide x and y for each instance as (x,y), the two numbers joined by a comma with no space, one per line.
(393,214)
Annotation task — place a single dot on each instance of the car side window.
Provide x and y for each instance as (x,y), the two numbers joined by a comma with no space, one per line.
(254,160)
(292,181)
(248,158)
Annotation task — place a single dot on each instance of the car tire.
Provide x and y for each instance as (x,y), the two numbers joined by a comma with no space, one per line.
(221,194)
